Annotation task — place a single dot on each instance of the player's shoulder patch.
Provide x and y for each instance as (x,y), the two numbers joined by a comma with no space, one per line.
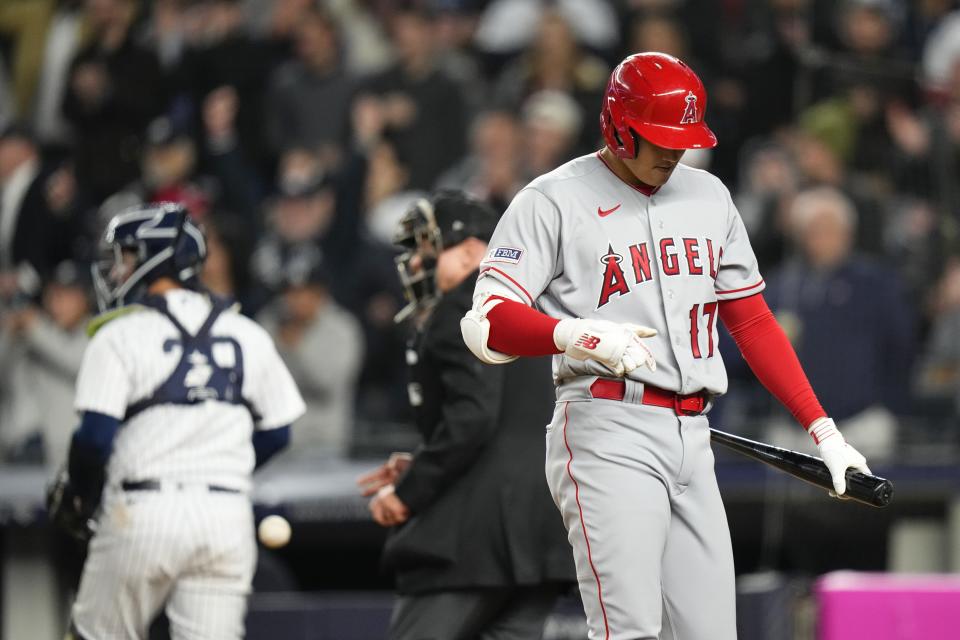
(99,321)
(509,255)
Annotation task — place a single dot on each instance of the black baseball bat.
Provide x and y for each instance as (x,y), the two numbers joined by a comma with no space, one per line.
(862,487)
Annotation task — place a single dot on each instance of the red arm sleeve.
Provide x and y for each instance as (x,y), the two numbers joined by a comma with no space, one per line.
(519,330)
(770,355)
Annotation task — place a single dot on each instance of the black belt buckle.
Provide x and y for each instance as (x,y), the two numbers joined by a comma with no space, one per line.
(140,485)
(218,489)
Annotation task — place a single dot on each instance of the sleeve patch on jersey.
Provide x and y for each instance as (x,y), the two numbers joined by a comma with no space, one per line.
(505,254)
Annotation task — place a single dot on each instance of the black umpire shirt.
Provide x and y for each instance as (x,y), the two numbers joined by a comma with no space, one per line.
(482,513)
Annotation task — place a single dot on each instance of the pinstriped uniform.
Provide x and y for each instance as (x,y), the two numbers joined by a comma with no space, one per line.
(182,546)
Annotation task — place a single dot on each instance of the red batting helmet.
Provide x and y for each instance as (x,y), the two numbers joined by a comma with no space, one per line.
(657,97)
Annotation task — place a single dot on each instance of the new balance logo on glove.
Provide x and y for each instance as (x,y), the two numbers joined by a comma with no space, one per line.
(586,341)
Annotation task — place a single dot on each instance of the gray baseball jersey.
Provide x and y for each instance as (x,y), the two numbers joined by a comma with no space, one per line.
(634,482)
(190,544)
(581,243)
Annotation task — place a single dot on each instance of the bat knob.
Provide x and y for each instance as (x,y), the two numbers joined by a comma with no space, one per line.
(883,493)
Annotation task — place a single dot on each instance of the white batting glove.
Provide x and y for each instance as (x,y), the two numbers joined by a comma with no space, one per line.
(615,345)
(836,453)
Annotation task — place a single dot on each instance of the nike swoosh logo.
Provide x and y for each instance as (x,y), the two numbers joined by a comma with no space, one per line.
(603,213)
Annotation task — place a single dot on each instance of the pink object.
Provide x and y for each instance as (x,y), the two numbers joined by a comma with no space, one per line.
(883,606)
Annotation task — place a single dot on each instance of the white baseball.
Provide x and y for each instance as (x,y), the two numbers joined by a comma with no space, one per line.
(274,531)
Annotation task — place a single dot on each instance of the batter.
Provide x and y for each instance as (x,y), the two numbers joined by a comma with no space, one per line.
(630,260)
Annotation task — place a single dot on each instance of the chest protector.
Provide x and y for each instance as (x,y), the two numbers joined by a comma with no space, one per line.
(210,368)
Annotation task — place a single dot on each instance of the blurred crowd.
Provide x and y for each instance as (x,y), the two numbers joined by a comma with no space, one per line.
(298,131)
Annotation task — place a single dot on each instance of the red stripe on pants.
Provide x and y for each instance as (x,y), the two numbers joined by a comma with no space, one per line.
(583,524)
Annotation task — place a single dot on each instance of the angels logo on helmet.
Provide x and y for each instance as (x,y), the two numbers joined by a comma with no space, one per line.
(690,112)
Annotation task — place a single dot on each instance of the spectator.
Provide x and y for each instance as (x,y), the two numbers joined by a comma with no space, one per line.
(853,123)
(705,26)
(167,170)
(555,61)
(276,19)
(453,31)
(20,186)
(921,21)
(927,144)
(6,97)
(44,350)
(386,191)
(423,109)
(322,346)
(371,186)
(23,29)
(218,270)
(848,321)
(65,34)
(309,99)
(914,242)
(506,26)
(221,55)
(819,165)
(381,180)
(551,122)
(493,168)
(165,32)
(658,32)
(298,218)
(366,45)
(939,370)
(772,54)
(868,51)
(113,91)
(769,181)
(941,52)
(240,184)
(226,269)
(38,225)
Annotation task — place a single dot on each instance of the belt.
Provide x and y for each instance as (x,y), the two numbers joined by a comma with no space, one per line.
(156,485)
(689,405)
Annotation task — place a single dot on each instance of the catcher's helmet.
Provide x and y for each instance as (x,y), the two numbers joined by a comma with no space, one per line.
(657,97)
(427,228)
(145,243)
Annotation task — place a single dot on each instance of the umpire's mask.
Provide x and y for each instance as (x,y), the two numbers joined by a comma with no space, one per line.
(421,241)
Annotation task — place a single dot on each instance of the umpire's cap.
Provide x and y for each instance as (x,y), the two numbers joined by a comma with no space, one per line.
(447,218)
(428,228)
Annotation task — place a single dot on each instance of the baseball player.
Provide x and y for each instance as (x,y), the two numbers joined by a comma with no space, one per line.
(179,397)
(621,263)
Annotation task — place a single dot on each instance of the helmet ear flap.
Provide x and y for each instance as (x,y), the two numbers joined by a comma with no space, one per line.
(636,142)
(616,136)
(177,260)
(186,257)
(611,126)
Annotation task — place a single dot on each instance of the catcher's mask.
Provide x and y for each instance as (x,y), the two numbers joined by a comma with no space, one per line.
(419,237)
(143,244)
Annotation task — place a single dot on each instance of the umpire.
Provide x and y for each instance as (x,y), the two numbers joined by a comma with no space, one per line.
(478,549)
